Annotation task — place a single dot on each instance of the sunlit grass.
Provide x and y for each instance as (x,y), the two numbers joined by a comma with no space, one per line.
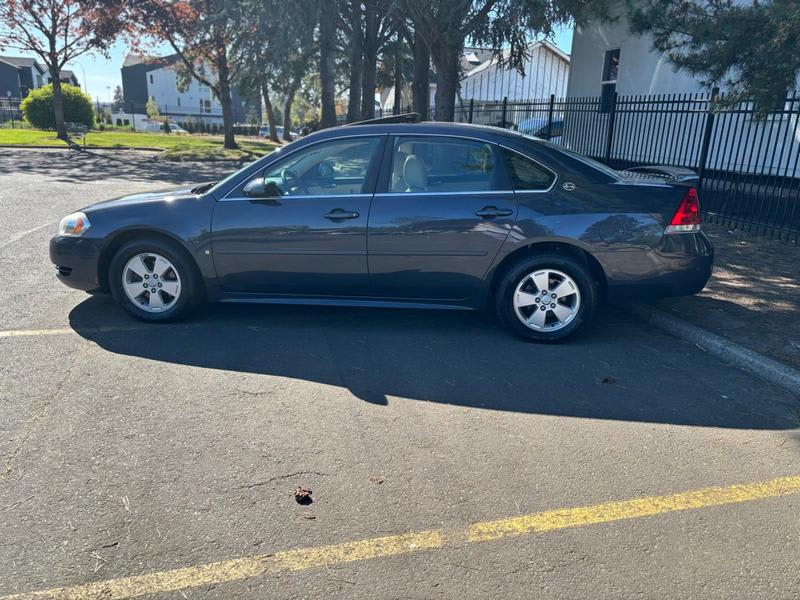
(176,146)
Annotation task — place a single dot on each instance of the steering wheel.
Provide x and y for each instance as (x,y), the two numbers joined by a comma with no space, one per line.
(290,179)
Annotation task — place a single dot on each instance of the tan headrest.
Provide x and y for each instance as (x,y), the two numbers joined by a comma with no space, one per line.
(414,174)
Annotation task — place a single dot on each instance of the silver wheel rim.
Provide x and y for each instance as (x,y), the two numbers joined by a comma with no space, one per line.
(151,282)
(547,300)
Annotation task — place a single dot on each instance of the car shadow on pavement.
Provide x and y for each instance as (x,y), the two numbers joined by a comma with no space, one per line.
(618,368)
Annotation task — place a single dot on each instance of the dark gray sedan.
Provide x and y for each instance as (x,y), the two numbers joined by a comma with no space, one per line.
(426,215)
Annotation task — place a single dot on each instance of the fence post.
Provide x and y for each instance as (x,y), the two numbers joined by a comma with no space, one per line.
(550,116)
(612,118)
(503,114)
(471,109)
(707,131)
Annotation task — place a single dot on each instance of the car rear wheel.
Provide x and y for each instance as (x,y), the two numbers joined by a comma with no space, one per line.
(546,298)
(154,281)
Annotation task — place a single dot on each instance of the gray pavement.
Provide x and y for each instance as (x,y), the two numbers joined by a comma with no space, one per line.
(127,449)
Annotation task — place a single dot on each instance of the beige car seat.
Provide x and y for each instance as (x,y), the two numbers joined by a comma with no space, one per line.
(414,175)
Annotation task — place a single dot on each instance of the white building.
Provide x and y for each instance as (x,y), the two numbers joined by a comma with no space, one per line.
(607,56)
(660,112)
(546,72)
(155,79)
(162,88)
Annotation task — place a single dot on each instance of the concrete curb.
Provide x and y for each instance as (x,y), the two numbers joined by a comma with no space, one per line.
(745,359)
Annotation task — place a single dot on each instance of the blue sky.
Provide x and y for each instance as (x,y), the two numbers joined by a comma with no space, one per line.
(100,75)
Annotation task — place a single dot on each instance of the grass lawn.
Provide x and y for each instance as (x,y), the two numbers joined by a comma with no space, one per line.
(175,147)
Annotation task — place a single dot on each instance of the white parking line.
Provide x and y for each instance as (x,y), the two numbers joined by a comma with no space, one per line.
(22,234)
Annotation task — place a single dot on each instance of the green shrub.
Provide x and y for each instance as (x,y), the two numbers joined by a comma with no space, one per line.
(37,107)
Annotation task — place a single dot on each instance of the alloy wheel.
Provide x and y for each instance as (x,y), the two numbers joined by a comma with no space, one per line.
(547,300)
(151,282)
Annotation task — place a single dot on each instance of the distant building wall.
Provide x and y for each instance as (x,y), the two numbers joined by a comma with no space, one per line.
(546,72)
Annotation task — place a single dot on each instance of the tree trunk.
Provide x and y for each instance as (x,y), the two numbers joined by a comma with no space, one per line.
(398,78)
(370,67)
(287,112)
(446,60)
(229,142)
(356,58)
(273,131)
(327,50)
(58,100)
(224,95)
(420,87)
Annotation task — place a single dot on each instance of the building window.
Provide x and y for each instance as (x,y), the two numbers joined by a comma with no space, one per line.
(608,84)
(179,100)
(151,78)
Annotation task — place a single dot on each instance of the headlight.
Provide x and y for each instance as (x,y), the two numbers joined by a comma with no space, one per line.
(74,224)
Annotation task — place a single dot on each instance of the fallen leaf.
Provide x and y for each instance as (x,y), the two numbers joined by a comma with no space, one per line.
(303,495)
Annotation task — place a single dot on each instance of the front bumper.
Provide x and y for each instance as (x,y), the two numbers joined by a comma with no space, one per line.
(76,260)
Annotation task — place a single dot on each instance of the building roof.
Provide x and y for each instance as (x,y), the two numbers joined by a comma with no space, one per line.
(131,60)
(494,60)
(22,62)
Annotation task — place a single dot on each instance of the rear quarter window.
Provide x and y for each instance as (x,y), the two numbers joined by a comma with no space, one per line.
(526,174)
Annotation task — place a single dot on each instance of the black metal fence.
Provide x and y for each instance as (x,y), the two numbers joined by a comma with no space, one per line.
(748,161)
(10,114)
(194,119)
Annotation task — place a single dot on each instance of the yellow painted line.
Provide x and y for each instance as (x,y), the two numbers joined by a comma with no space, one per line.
(34,332)
(408,543)
(10,333)
(631,509)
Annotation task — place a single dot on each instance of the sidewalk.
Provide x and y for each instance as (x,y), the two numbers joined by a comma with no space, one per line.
(753,297)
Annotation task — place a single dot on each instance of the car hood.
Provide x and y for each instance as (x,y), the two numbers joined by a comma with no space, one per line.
(171,195)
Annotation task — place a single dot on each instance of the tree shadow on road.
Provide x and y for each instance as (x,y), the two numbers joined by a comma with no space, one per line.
(69,166)
(618,369)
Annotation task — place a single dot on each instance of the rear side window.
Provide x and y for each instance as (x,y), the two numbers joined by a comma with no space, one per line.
(527,175)
(439,164)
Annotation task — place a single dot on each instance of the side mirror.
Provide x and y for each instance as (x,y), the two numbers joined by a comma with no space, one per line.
(255,188)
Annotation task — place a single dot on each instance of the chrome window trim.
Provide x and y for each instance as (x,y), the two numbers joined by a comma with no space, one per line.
(483,193)
(306,197)
(235,185)
(493,143)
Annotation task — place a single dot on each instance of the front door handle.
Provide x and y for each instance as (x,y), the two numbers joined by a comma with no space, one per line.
(339,214)
(488,212)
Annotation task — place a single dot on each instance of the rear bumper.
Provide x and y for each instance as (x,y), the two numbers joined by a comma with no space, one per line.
(680,267)
(76,259)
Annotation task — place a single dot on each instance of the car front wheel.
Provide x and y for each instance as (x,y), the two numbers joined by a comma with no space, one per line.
(545,298)
(153,281)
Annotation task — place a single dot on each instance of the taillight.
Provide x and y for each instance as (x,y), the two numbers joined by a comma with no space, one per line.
(687,217)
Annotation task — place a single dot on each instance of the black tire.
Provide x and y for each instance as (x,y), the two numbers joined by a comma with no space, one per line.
(191,293)
(574,268)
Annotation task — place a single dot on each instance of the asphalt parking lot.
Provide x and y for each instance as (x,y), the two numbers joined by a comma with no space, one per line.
(161,460)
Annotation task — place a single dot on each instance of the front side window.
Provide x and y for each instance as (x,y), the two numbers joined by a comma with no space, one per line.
(440,164)
(329,168)
(527,175)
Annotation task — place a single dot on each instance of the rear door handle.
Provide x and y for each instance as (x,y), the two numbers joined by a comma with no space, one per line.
(488,212)
(339,214)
